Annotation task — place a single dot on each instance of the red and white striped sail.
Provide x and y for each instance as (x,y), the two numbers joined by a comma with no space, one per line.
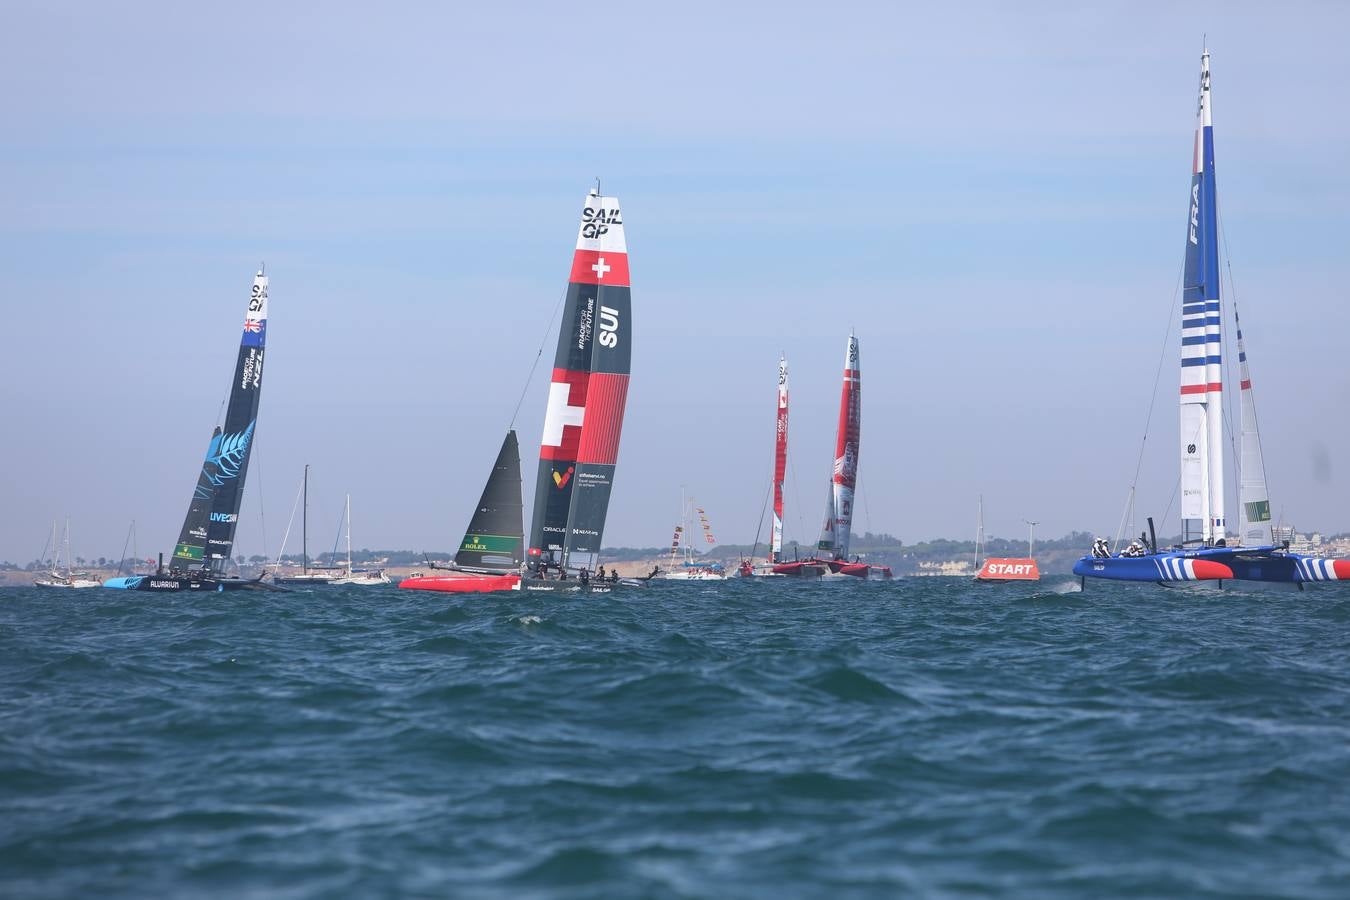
(779,463)
(587,396)
(834,535)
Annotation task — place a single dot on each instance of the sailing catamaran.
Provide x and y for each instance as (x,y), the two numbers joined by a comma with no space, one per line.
(580,445)
(747,567)
(1208,552)
(832,550)
(207,537)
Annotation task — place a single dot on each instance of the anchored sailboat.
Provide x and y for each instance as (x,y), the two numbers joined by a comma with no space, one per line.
(832,549)
(207,538)
(308,576)
(579,449)
(691,568)
(1207,553)
(67,579)
(363,577)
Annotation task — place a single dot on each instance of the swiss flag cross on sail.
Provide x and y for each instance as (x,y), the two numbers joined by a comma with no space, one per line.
(600,267)
(566,413)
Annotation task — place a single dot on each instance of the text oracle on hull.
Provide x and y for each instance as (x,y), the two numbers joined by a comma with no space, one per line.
(579,447)
(206,541)
(832,551)
(1208,551)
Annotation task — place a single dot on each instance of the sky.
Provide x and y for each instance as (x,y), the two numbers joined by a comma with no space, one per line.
(991,195)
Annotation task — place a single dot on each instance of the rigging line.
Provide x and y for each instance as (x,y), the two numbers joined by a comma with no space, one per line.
(759,529)
(548,330)
(286,536)
(1256,421)
(1120,529)
(262,518)
(42,560)
(1157,375)
(797,495)
(123,560)
(337,538)
(1170,501)
(221,412)
(867,514)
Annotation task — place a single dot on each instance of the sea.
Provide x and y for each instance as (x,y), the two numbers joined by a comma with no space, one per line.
(920,738)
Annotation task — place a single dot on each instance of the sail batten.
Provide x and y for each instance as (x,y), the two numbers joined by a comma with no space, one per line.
(588,393)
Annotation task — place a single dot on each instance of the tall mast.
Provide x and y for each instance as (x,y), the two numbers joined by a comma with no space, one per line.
(1202,476)
(979,534)
(349,535)
(779,462)
(304,524)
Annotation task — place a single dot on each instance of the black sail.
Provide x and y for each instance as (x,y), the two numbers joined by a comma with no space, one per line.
(495,540)
(587,396)
(190,551)
(221,482)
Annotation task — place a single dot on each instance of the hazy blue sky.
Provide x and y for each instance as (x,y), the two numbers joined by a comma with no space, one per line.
(992,195)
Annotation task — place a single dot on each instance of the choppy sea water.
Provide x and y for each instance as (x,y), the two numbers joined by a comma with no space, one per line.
(921,738)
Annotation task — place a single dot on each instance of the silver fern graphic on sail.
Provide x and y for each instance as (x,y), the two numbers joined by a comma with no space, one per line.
(224,459)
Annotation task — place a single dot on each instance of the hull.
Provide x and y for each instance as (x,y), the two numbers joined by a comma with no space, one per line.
(833,568)
(803,568)
(759,570)
(475,583)
(365,579)
(461,583)
(171,583)
(68,583)
(304,580)
(860,570)
(1268,565)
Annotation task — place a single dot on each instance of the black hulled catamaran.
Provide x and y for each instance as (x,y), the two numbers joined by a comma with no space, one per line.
(206,541)
(580,444)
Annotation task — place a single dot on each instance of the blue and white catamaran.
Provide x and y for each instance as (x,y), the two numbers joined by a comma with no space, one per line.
(1208,552)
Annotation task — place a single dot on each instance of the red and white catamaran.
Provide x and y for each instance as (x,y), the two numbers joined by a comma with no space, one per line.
(748,567)
(832,556)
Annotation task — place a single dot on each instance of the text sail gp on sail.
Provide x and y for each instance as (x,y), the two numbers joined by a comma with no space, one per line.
(579,447)
(1206,553)
(206,541)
